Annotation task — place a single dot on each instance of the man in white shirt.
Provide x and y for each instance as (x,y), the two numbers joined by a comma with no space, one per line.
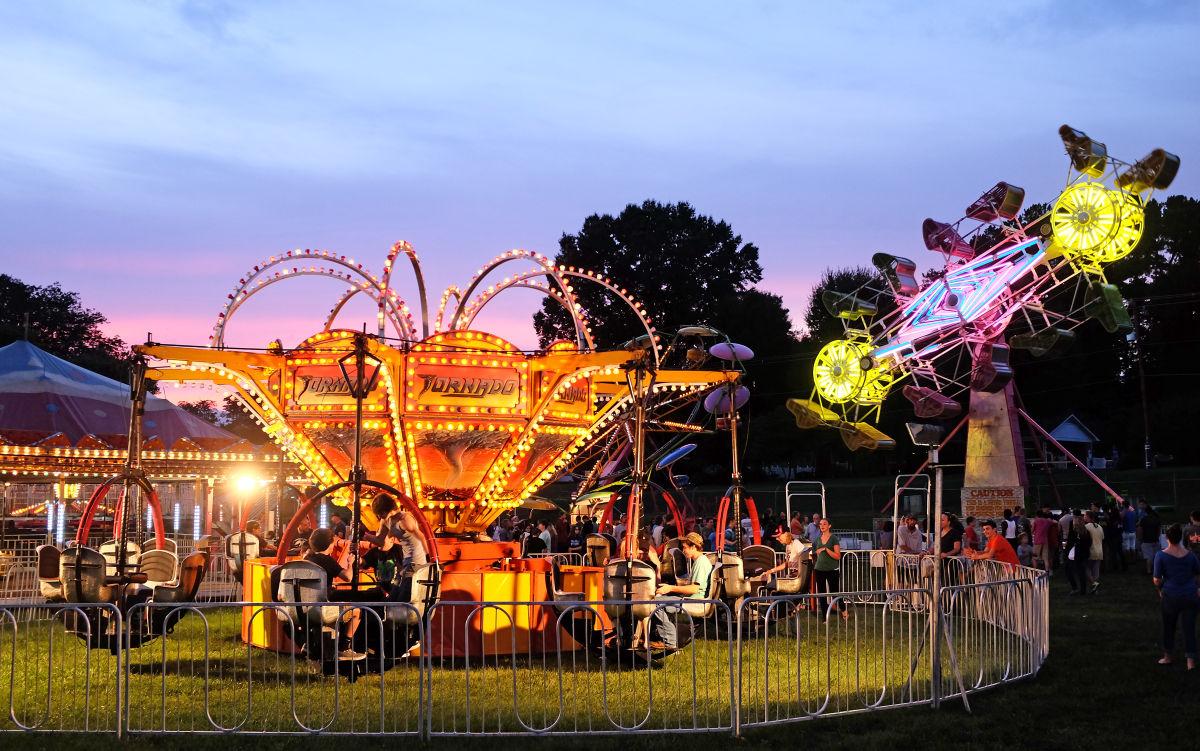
(656,531)
(909,538)
(619,530)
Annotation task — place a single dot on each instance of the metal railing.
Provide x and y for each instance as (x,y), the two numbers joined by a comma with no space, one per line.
(526,667)
(51,677)
(572,679)
(197,676)
(564,559)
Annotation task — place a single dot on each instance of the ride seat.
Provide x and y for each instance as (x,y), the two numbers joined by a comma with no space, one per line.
(733,576)
(629,580)
(679,565)
(49,576)
(239,547)
(183,590)
(702,610)
(82,572)
(168,545)
(304,583)
(109,550)
(554,582)
(757,559)
(426,585)
(161,567)
(600,547)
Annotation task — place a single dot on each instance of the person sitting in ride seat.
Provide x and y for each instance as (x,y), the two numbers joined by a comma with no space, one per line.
(795,553)
(696,588)
(399,528)
(322,552)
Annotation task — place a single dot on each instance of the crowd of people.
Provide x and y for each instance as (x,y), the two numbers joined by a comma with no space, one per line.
(1083,543)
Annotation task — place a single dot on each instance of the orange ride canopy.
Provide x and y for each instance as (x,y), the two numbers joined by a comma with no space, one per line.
(463,422)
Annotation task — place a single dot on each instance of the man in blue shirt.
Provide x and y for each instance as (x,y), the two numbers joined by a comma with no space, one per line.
(696,587)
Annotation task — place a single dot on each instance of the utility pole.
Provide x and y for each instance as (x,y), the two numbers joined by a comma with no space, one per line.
(1148,451)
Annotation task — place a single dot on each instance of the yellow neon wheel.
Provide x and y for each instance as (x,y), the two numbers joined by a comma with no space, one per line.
(1085,218)
(838,372)
(1129,231)
(876,384)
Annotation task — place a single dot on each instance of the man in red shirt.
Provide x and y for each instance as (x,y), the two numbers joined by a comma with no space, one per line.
(1042,546)
(998,548)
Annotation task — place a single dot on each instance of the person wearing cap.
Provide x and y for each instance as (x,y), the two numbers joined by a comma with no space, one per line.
(695,588)
(795,554)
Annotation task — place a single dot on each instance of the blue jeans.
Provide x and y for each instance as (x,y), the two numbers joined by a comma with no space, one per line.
(664,622)
(1172,609)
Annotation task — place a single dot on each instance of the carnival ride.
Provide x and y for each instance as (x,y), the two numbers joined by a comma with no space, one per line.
(122,574)
(460,426)
(1004,284)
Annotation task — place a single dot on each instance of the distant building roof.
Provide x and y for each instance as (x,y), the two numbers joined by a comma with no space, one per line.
(1072,430)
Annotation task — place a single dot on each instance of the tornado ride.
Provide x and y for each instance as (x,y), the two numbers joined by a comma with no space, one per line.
(459,426)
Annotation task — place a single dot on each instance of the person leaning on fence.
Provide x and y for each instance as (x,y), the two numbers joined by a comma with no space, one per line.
(335,562)
(1177,577)
(695,588)
(827,563)
(996,549)
(951,547)
(909,538)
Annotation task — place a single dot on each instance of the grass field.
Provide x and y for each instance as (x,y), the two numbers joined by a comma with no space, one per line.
(1099,683)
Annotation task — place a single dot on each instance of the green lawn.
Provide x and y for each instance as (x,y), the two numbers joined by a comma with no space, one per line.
(1100,680)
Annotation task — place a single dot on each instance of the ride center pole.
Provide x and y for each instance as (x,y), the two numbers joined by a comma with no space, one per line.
(935,607)
(735,469)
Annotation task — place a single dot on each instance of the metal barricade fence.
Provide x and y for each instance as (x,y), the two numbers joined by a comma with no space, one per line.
(220,582)
(801,657)
(195,674)
(998,630)
(854,539)
(490,674)
(519,667)
(563,559)
(50,677)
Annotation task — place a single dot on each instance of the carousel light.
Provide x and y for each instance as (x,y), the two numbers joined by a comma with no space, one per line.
(196,521)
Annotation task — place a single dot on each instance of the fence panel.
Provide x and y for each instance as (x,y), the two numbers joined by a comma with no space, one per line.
(801,657)
(997,629)
(490,674)
(196,675)
(51,679)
